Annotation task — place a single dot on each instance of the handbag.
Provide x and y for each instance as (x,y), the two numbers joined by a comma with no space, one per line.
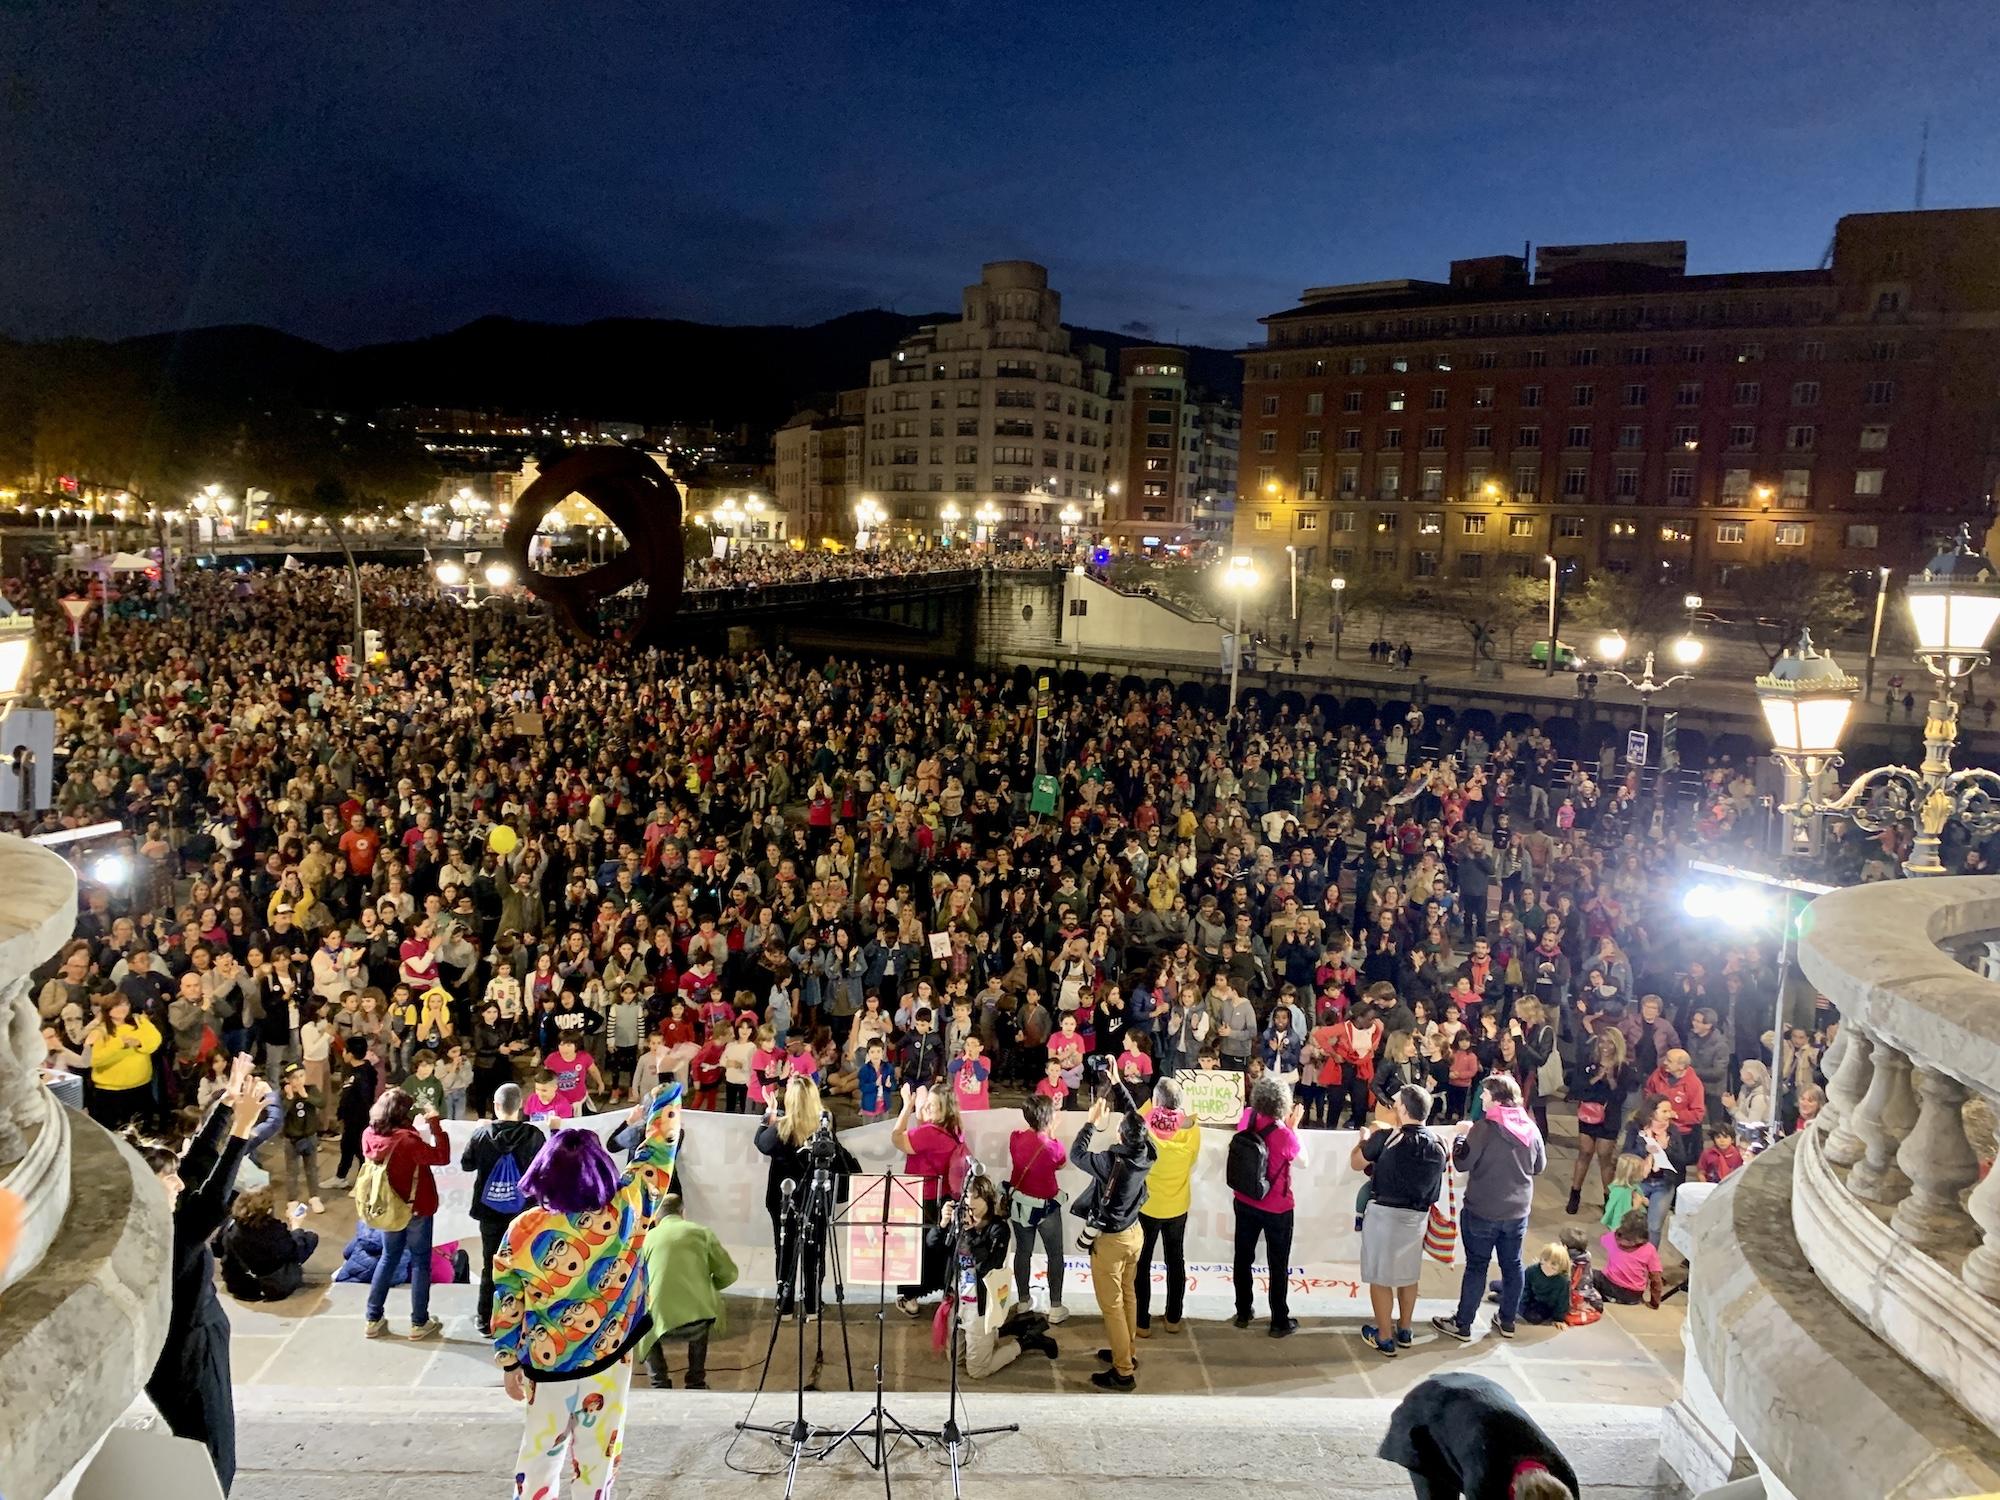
(1441,1227)
(1549,1077)
(1590,1112)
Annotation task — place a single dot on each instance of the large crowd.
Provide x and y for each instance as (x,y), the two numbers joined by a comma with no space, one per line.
(560,877)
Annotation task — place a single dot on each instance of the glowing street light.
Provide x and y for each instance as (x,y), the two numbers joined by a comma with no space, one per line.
(1239,578)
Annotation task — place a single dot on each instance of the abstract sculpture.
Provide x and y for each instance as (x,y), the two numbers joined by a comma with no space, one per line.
(639,499)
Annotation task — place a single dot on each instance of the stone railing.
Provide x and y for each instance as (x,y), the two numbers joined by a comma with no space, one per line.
(1888,1203)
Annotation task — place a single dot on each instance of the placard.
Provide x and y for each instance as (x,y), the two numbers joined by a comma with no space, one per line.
(1214,1095)
(888,1249)
(940,945)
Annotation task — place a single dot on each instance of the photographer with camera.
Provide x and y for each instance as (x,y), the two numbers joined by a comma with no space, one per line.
(1109,1209)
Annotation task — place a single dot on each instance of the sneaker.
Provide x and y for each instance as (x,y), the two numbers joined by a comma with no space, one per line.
(696,1385)
(1505,1330)
(1446,1324)
(1172,1325)
(910,1306)
(1382,1346)
(1144,1330)
(339,1184)
(1404,1338)
(1241,1320)
(378,1328)
(1284,1328)
(1111,1380)
(317,1206)
(1104,1357)
(1057,1313)
(430,1328)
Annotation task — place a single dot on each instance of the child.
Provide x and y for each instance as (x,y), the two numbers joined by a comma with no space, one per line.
(706,1072)
(627,1022)
(455,1073)
(357,1097)
(1462,1071)
(1632,1272)
(969,1075)
(1586,1303)
(546,1103)
(767,1068)
(423,1085)
(878,1080)
(1722,1157)
(1547,1294)
(1626,1192)
(1134,1065)
(1051,1087)
(1066,1048)
(737,1060)
(573,1069)
(299,1103)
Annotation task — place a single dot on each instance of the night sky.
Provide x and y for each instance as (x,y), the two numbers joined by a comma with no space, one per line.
(388,170)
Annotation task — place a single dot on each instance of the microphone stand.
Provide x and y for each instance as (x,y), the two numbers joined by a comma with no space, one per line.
(797,1434)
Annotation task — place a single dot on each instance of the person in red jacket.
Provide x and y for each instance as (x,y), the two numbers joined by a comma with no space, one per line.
(408,1145)
(707,1069)
(1674,1080)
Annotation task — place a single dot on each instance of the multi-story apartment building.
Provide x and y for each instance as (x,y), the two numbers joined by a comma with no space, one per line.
(995,414)
(1173,454)
(819,468)
(1620,412)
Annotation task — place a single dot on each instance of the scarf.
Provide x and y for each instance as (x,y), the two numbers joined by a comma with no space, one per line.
(1166,1122)
(1515,1120)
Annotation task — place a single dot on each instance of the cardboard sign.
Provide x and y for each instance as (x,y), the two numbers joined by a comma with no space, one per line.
(940,945)
(529,723)
(1215,1096)
(1636,745)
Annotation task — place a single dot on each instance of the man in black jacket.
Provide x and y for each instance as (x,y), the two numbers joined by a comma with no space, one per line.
(496,1203)
(1111,1205)
(1460,1434)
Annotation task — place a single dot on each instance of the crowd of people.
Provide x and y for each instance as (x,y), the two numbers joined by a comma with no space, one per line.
(558,878)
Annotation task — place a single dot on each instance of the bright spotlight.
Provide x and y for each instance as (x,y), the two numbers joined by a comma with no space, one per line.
(1687,650)
(111,869)
(499,575)
(450,574)
(1702,902)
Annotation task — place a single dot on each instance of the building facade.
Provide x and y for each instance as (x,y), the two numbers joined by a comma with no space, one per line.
(997,414)
(819,467)
(1173,454)
(1620,412)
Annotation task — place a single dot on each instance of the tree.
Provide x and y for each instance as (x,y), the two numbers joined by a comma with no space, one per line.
(1642,607)
(1485,611)
(1787,598)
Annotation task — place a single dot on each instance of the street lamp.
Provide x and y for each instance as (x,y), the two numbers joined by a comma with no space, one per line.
(988,517)
(1686,650)
(1240,578)
(949,514)
(1292,564)
(1339,586)
(869,514)
(1070,516)
(1549,666)
(453,575)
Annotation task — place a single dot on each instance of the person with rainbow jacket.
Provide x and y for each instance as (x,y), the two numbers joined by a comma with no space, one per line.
(570,1296)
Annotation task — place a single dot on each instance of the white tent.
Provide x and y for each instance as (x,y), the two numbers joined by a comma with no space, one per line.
(126,562)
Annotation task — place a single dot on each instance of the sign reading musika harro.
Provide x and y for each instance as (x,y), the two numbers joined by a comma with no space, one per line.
(1213,1095)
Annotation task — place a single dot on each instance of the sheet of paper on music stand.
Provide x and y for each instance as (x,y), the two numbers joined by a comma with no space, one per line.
(892,1252)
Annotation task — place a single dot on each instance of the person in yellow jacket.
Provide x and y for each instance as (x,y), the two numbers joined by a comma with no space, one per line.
(1163,1216)
(121,1047)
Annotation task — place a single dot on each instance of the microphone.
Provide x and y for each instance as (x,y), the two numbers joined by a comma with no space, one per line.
(786,1188)
(974,1168)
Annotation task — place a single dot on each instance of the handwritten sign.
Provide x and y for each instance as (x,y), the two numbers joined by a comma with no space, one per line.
(1215,1097)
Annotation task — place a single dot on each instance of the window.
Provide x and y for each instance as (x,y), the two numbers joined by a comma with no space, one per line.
(1520,526)
(1476,483)
(1357,364)
(968,369)
(1880,392)
(1400,363)
(1350,401)
(1166,440)
(967,427)
(968,398)
(1742,436)
(1527,482)
(1386,521)
(1433,437)
(1425,564)
(1749,392)
(1438,399)
(1430,523)
(1735,486)
(1805,393)
(1395,401)
(1315,403)
(1635,395)
(1801,437)
(1265,475)
(1309,520)
(1625,483)
(1687,435)
(1569,526)
(1527,437)
(1350,438)
(1154,490)
(1472,565)
(1730,533)
(1796,491)
(1623,531)
(1270,407)
(1482,398)
(1693,354)
(1790,534)
(1474,525)
(1676,531)
(1631,436)
(1680,484)
(965,484)
(1863,538)
(1309,480)
(1343,520)
(1583,356)
(903,456)
(1158,465)
(1012,455)
(1812,349)
(1531,396)
(1749,353)
(1350,481)
(1638,354)
(1433,483)
(1263,520)
(1341,558)
(1577,437)
(1576,481)
(1874,438)
(1310,444)
(1482,437)
(1486,359)
(1382,559)
(1688,393)
(1388,484)
(1583,395)
(966,453)
(1392,437)
(1889,300)
(1163,416)
(1534,359)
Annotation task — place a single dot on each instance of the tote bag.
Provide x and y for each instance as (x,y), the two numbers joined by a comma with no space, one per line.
(1441,1228)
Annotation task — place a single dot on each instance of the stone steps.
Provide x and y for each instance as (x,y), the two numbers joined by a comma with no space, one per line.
(298,1443)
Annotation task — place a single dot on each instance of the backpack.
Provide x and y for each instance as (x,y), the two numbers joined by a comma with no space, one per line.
(1248,1168)
(379,1204)
(502,1193)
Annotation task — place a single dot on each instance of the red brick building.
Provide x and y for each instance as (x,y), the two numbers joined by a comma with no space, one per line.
(1618,411)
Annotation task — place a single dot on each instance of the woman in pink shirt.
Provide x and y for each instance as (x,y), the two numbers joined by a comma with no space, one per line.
(1273,1119)
(1037,1202)
(932,1141)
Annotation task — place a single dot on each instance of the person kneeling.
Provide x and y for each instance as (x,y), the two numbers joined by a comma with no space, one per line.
(263,1258)
(983,1303)
(687,1270)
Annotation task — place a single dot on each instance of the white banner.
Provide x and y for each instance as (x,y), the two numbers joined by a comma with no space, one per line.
(722,1178)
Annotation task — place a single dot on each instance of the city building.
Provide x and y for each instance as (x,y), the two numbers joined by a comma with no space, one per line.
(1173,454)
(1621,412)
(995,425)
(820,463)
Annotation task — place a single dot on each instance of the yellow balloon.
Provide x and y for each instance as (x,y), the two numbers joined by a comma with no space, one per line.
(503,840)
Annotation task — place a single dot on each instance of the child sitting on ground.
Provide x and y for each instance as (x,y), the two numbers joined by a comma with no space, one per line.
(1632,1272)
(1586,1304)
(1626,1192)
(1546,1296)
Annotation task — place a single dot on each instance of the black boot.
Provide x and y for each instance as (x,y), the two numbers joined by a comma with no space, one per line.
(1575,1200)
(1039,1343)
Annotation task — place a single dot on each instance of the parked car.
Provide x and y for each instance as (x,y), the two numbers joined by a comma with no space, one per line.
(1567,657)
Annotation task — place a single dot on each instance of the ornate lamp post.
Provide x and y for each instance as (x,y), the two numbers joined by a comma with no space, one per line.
(1240,577)
(1686,652)
(1954,604)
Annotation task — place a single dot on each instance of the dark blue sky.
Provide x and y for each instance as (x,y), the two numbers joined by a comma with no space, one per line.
(398,169)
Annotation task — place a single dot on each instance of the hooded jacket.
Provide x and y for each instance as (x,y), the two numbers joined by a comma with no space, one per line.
(516,1138)
(408,1158)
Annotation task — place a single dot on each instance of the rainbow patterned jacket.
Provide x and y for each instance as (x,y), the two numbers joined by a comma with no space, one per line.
(569,1290)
